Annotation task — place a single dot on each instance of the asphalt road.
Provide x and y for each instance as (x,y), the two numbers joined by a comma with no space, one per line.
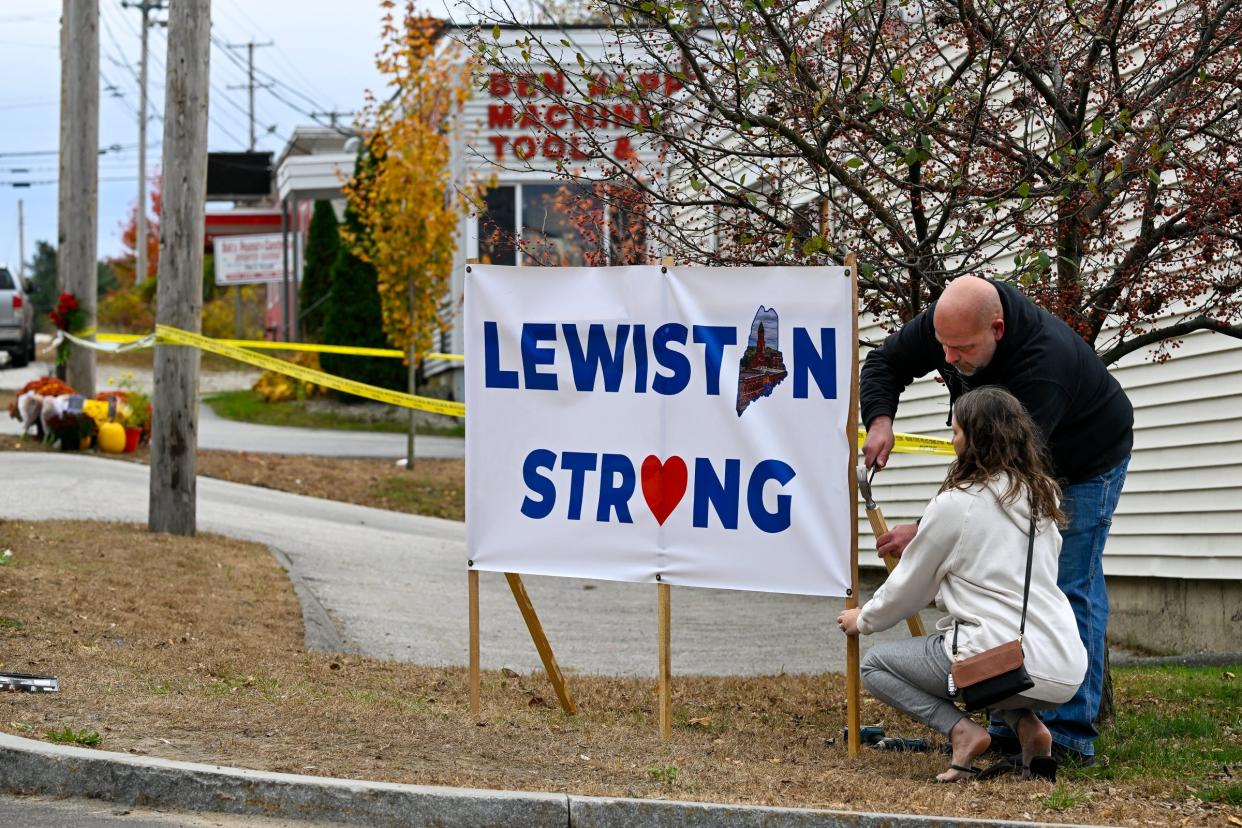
(92,813)
(394,585)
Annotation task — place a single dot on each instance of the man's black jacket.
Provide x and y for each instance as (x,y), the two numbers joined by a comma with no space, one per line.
(1085,417)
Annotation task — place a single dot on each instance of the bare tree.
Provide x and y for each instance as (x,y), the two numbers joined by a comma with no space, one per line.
(1089,150)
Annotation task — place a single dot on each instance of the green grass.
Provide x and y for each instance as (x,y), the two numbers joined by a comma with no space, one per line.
(1182,723)
(69,736)
(433,498)
(664,774)
(249,407)
(1063,796)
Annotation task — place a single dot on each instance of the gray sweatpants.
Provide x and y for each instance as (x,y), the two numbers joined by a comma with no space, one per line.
(913,676)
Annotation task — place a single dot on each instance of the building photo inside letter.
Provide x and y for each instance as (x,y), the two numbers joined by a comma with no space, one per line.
(697,426)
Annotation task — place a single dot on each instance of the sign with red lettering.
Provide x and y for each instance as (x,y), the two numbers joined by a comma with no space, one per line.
(532,118)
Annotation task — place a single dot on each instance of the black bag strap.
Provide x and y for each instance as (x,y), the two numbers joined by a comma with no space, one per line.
(1026,586)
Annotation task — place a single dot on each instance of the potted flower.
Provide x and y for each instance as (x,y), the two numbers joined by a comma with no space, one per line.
(138,421)
(137,415)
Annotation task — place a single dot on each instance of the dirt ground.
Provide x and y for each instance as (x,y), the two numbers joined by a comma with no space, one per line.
(192,649)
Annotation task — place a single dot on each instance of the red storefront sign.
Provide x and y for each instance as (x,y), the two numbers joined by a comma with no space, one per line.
(586,126)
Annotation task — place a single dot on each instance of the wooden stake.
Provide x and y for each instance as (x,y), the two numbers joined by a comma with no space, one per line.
(666,661)
(664,598)
(476,708)
(541,641)
(853,677)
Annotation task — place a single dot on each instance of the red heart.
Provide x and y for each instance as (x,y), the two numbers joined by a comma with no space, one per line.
(664,484)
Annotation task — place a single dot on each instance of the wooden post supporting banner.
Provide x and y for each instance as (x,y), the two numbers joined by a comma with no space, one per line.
(853,679)
(665,603)
(541,641)
(525,606)
(476,708)
(666,661)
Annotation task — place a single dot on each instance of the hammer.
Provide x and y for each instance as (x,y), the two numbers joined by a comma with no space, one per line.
(879,526)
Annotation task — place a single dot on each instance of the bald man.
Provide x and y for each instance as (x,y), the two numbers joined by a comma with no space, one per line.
(982,332)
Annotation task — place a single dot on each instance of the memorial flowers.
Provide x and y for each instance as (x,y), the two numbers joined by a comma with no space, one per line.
(66,316)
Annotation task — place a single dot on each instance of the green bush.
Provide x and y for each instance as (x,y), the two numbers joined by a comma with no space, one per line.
(322,245)
(353,317)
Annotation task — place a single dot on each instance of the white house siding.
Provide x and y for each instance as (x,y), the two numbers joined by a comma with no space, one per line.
(1180,514)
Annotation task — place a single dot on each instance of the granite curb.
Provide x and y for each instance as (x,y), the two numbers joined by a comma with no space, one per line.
(32,767)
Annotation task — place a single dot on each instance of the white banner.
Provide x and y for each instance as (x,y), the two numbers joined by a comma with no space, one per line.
(249,260)
(685,425)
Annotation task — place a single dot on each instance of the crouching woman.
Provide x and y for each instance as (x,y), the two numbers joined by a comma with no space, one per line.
(970,556)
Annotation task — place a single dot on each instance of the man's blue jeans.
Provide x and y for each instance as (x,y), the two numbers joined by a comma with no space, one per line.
(1080,574)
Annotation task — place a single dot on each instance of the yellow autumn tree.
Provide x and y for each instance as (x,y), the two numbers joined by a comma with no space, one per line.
(404,195)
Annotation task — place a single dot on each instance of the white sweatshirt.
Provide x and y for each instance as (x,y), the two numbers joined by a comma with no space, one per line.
(970,556)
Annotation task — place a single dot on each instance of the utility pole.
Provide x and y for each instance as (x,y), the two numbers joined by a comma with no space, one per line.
(331,116)
(146,7)
(239,326)
(179,295)
(79,174)
(250,85)
(21,242)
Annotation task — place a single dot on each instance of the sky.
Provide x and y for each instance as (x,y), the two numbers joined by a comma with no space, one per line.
(322,59)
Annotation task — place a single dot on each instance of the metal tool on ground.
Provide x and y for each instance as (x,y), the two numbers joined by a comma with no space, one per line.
(879,526)
(29,683)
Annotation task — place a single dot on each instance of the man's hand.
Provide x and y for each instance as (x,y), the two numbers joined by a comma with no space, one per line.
(848,621)
(879,442)
(893,542)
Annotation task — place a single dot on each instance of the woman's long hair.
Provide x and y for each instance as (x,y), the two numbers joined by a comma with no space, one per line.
(1001,438)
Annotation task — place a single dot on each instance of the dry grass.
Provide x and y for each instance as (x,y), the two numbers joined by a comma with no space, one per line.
(192,649)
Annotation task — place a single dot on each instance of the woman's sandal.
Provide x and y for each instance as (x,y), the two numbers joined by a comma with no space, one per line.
(970,772)
(1001,767)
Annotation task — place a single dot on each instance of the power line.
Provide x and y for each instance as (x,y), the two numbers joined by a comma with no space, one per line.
(102,150)
(250,85)
(253,26)
(120,62)
(50,181)
(275,82)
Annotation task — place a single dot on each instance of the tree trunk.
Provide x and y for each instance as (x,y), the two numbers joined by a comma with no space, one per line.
(179,295)
(413,388)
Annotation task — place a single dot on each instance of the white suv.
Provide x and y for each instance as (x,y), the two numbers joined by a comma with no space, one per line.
(17,329)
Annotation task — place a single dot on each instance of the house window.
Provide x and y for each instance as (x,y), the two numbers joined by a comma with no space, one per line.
(496,240)
(559,225)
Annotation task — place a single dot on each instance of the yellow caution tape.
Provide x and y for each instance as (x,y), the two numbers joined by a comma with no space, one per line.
(167,335)
(915,444)
(242,350)
(269,345)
